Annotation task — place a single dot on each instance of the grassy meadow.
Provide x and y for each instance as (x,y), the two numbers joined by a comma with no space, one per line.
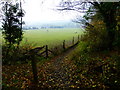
(50,36)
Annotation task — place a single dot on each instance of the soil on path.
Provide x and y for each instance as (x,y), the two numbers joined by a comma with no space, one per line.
(60,72)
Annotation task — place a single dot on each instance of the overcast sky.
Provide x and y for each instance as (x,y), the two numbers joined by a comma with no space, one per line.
(42,11)
(45,11)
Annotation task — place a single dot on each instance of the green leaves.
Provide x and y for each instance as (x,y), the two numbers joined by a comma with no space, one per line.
(12,24)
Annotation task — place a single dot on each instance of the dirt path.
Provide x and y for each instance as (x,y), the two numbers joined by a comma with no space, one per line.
(60,73)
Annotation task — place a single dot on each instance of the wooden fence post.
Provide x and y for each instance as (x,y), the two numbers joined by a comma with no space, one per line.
(78,38)
(46,51)
(64,44)
(34,69)
(73,41)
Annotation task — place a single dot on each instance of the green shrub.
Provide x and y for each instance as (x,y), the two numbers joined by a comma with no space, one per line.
(16,55)
(96,39)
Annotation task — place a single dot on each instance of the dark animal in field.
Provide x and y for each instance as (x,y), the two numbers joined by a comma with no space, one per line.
(75,32)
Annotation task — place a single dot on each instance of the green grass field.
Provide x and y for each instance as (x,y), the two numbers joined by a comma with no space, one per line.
(50,36)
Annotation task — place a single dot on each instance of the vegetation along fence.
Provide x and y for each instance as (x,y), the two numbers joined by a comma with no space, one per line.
(46,52)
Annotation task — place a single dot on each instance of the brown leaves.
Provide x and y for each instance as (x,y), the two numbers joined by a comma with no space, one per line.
(17,76)
(57,73)
(60,72)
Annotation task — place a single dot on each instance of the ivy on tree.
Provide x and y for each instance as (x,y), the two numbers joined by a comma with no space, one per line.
(12,24)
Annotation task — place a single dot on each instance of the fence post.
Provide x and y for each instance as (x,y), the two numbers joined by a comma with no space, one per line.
(64,44)
(34,69)
(46,51)
(73,41)
(78,38)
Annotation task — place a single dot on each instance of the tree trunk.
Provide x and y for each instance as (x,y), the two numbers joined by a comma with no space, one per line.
(110,21)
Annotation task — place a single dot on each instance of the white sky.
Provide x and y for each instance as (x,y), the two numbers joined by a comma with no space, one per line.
(36,11)
(43,11)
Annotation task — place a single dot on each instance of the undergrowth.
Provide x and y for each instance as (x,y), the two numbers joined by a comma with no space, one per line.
(100,68)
